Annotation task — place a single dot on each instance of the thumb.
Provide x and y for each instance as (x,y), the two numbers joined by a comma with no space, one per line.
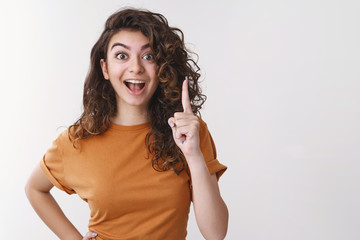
(171,122)
(177,137)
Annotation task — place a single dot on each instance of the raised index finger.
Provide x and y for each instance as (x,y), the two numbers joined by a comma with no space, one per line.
(185,99)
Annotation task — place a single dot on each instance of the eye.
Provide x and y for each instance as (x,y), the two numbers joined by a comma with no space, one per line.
(149,57)
(121,56)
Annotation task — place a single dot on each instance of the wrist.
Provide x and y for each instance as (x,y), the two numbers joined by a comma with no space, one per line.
(196,162)
(193,154)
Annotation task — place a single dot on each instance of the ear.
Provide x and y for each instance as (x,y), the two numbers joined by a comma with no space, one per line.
(104,69)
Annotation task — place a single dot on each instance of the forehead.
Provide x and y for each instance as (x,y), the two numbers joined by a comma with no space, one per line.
(132,38)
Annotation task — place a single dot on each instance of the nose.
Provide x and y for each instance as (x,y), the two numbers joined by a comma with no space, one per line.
(135,65)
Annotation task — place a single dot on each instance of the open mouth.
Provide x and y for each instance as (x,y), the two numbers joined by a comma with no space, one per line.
(135,85)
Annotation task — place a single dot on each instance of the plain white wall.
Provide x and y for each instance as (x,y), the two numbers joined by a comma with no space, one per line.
(283,86)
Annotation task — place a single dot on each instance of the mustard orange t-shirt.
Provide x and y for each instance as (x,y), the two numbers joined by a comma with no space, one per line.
(128,199)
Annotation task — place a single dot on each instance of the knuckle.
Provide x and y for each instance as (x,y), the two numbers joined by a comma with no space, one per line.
(177,115)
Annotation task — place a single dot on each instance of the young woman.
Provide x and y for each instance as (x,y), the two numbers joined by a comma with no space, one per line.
(139,154)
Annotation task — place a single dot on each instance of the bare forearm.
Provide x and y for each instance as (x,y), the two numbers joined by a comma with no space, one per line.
(49,211)
(210,210)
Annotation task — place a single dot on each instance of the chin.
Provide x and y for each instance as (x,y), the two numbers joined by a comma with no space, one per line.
(135,103)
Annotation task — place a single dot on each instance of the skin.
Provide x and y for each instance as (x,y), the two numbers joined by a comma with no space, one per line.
(211,212)
(129,56)
(134,61)
(37,190)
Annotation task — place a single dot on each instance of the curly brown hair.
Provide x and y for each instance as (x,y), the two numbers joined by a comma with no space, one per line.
(174,63)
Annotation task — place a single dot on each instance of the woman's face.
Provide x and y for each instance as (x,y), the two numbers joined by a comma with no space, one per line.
(131,68)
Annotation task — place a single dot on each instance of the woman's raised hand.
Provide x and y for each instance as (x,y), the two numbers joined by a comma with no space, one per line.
(185,126)
(89,235)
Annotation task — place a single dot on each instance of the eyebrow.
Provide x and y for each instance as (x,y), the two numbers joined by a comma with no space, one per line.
(128,47)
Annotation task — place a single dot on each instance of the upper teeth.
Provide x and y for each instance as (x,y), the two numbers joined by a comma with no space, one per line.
(135,81)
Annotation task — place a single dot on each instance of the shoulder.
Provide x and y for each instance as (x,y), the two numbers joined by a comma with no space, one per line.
(204,132)
(64,139)
(64,135)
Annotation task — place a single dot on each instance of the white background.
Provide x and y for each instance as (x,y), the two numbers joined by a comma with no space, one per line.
(283,86)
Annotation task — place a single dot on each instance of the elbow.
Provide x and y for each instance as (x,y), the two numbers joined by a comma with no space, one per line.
(220,236)
(27,189)
(218,233)
(30,189)
(220,230)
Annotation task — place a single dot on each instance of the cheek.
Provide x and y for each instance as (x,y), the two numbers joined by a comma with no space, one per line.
(115,69)
(156,84)
(151,69)
(153,86)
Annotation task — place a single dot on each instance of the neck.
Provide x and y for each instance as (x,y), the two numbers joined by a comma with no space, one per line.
(130,115)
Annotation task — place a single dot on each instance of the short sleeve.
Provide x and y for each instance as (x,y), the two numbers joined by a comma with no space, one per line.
(53,167)
(208,150)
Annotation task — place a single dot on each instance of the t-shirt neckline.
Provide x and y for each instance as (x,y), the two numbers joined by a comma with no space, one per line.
(136,127)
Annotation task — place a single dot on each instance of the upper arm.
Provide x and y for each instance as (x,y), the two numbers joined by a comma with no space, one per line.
(38,181)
